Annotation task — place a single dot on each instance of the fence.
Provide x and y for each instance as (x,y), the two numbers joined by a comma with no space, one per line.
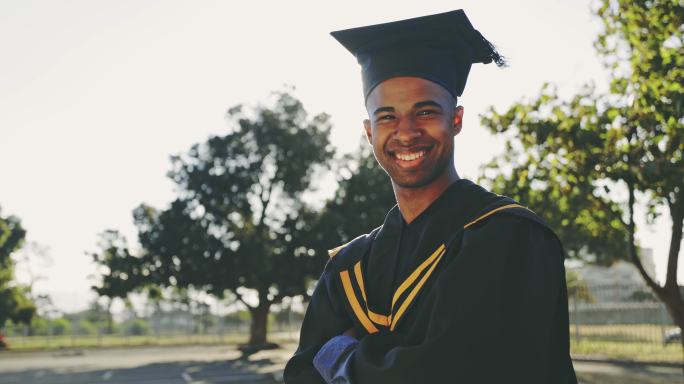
(620,313)
(160,328)
(622,321)
(619,321)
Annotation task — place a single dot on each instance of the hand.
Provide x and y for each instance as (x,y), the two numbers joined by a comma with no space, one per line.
(350,332)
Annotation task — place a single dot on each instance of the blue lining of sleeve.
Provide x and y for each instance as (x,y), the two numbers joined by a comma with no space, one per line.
(333,360)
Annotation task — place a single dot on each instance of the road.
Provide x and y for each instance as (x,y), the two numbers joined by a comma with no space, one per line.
(222,364)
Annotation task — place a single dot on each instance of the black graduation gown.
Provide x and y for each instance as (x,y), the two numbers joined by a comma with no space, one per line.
(483,298)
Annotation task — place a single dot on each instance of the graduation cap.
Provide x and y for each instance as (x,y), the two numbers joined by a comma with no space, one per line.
(440,48)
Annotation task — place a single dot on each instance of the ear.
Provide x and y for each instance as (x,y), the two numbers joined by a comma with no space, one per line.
(458,120)
(369,131)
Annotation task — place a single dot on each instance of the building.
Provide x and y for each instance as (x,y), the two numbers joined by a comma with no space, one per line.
(621,282)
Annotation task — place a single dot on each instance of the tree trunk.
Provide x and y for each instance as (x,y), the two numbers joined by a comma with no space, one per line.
(259,323)
(670,293)
(110,319)
(675,306)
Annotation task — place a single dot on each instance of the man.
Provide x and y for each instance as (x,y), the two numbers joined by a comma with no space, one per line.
(458,285)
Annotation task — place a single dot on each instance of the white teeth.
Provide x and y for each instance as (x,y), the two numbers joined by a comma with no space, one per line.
(410,156)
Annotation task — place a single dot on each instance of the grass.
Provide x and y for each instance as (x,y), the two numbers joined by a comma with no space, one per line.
(628,351)
(636,342)
(34,343)
(640,342)
(644,333)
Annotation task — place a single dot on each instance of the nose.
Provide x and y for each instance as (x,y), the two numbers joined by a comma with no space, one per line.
(407,130)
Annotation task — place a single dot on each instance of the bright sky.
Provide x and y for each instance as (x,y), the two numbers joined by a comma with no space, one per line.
(96,95)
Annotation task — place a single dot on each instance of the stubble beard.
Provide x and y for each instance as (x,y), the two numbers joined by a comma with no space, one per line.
(419,179)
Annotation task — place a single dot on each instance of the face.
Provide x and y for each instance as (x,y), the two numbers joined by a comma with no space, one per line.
(411,126)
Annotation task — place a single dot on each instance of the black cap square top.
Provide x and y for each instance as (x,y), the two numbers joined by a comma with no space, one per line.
(440,48)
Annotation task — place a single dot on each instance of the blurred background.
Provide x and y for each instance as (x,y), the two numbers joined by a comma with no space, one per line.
(174,172)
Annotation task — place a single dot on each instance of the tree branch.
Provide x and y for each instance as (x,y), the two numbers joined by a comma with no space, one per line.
(242,300)
(633,255)
(606,206)
(677,214)
(265,201)
(279,297)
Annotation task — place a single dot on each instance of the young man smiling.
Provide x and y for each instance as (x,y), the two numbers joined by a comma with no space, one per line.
(459,285)
(411,127)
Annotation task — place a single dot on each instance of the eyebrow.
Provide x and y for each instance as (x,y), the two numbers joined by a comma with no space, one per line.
(420,104)
(383,109)
(427,103)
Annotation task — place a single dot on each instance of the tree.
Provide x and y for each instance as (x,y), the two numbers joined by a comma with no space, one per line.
(236,223)
(585,163)
(558,182)
(361,202)
(577,288)
(29,253)
(15,304)
(120,271)
(644,43)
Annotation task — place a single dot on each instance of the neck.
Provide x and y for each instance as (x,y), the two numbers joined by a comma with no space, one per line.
(412,201)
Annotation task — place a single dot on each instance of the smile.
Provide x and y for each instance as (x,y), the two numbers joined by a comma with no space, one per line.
(409,156)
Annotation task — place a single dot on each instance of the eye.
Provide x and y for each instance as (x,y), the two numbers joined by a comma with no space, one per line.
(426,112)
(385,118)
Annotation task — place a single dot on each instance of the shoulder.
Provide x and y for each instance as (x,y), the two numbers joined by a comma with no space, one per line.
(349,253)
(507,244)
(510,225)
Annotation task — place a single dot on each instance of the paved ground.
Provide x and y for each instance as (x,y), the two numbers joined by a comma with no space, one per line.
(143,365)
(605,373)
(221,364)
